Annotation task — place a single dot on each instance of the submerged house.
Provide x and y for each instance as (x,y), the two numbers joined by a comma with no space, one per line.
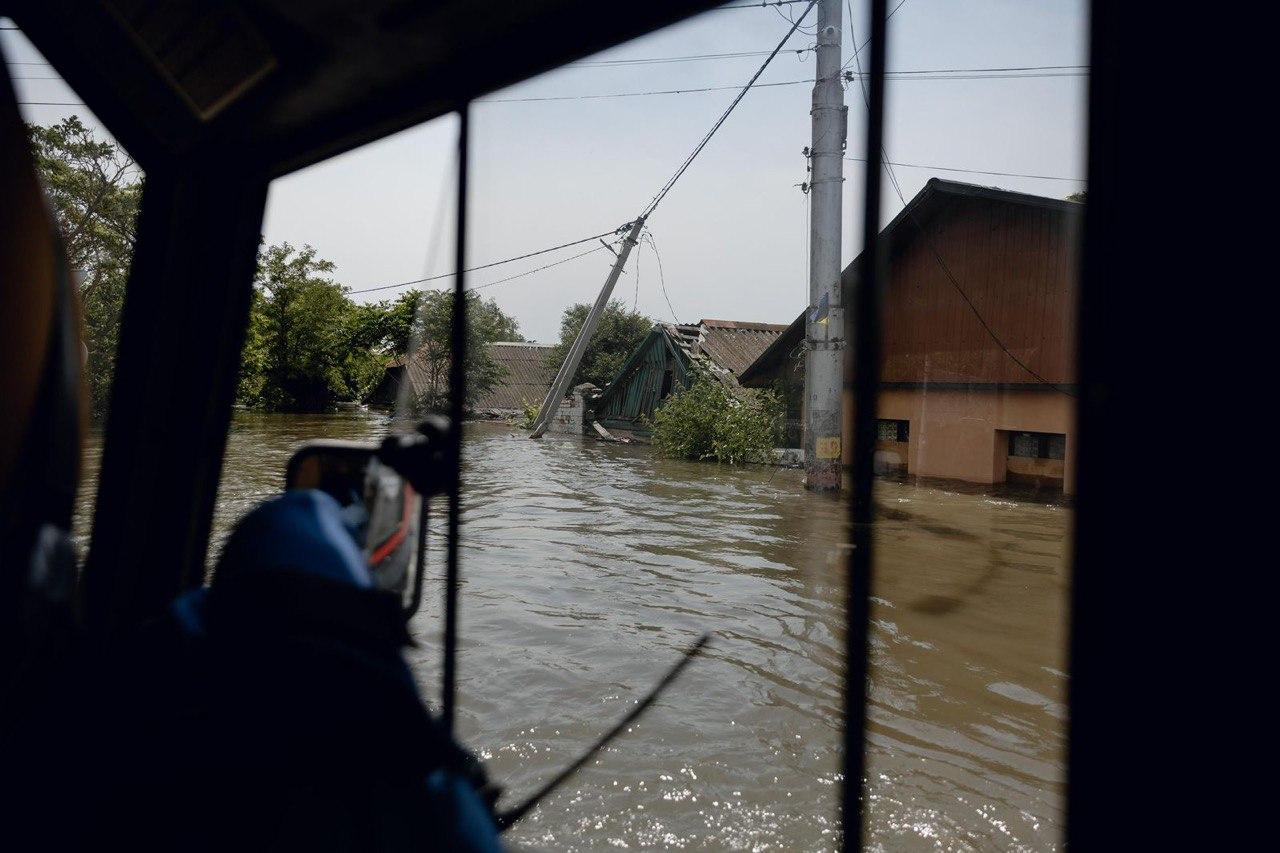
(525,379)
(979,325)
(667,359)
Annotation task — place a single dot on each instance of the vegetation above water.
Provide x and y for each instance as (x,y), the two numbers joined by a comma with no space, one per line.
(619,333)
(93,188)
(431,336)
(308,345)
(707,422)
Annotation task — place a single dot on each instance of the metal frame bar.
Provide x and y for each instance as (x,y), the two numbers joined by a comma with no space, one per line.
(1114,251)
(185,315)
(863,329)
(457,398)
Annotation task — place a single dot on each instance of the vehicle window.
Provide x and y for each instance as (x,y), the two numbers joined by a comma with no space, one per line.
(679,483)
(350,247)
(93,187)
(982,204)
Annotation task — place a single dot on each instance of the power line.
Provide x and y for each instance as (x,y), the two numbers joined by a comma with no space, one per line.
(671,182)
(973,171)
(906,76)
(853,42)
(662,281)
(538,269)
(1012,73)
(684,91)
(762,5)
(743,54)
(493,264)
(664,60)
(585,63)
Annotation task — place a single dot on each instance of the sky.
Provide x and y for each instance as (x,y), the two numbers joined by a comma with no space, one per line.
(731,236)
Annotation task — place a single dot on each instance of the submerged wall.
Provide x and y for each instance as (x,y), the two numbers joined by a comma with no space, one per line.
(964,434)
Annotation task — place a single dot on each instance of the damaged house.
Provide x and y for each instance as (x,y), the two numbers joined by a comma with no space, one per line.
(667,360)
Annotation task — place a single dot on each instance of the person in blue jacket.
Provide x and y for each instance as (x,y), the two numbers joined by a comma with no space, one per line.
(272,710)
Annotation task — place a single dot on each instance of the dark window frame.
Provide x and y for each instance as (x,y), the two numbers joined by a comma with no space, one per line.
(901,428)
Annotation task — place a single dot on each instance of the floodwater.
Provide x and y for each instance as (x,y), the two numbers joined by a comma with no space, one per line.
(587,567)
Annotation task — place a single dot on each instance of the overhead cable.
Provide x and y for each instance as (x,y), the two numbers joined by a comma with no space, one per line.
(1027,73)
(933,250)
(493,264)
(973,171)
(671,182)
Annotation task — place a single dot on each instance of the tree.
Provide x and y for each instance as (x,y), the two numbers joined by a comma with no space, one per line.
(298,348)
(1082,196)
(619,333)
(707,422)
(432,329)
(94,188)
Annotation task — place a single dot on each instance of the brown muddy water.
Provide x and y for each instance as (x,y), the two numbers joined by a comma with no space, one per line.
(587,567)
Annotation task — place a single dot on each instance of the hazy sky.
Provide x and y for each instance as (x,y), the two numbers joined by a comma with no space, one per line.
(732,233)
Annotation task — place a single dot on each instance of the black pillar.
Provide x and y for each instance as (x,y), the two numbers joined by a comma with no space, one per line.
(184,320)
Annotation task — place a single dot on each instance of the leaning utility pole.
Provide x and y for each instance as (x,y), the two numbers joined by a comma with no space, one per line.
(570,366)
(824,321)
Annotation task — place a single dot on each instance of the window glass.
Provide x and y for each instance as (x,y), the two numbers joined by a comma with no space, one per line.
(356,256)
(982,205)
(94,188)
(669,494)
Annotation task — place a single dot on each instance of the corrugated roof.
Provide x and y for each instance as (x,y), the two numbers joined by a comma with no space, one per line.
(525,376)
(724,347)
(735,345)
(526,380)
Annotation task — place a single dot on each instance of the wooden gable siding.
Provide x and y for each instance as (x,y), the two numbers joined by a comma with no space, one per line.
(634,396)
(1017,264)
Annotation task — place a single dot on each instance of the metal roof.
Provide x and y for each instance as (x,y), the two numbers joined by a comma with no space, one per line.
(723,347)
(526,380)
(735,345)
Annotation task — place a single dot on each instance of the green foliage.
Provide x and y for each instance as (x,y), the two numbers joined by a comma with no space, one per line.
(433,330)
(307,345)
(620,331)
(93,187)
(296,351)
(705,421)
(529,414)
(1082,196)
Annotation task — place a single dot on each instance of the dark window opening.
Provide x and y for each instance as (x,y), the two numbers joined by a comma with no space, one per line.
(1038,445)
(891,430)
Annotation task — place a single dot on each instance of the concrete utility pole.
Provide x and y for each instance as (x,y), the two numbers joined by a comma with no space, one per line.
(824,324)
(561,386)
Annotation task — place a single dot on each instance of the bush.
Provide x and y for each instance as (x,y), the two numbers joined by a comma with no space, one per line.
(705,421)
(529,414)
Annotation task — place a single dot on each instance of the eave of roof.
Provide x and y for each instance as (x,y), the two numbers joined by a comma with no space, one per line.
(927,203)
